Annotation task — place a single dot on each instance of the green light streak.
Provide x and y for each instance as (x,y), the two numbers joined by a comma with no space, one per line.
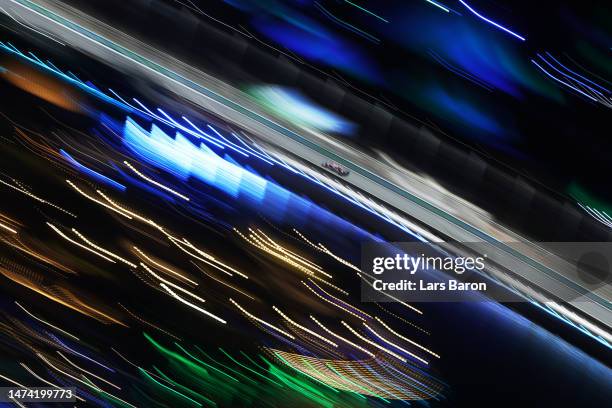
(228,368)
(205,364)
(177,357)
(250,369)
(165,387)
(184,388)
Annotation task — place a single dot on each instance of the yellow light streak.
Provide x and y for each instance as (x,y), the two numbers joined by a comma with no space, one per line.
(105,251)
(199,309)
(95,200)
(378,346)
(165,268)
(405,338)
(178,243)
(257,319)
(40,200)
(221,282)
(123,209)
(299,326)
(6,227)
(45,322)
(215,260)
(60,233)
(150,180)
(395,345)
(369,353)
(341,301)
(167,282)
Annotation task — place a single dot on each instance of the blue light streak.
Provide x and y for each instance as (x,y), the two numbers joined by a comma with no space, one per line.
(346,25)
(94,174)
(459,71)
(578,75)
(563,82)
(569,76)
(480,16)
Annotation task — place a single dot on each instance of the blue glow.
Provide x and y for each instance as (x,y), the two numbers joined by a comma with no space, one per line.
(346,25)
(465,112)
(180,157)
(319,45)
(491,57)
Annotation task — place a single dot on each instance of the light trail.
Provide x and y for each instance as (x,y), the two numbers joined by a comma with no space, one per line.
(60,233)
(392,297)
(45,322)
(330,302)
(12,381)
(81,381)
(378,346)
(491,21)
(346,25)
(307,330)
(257,319)
(87,372)
(185,291)
(199,309)
(295,257)
(346,305)
(350,343)
(405,338)
(577,74)
(95,200)
(155,183)
(76,353)
(312,244)
(141,320)
(337,258)
(395,345)
(40,200)
(29,370)
(292,254)
(366,11)
(123,209)
(178,243)
(257,242)
(105,251)
(563,82)
(215,260)
(165,268)
(438,5)
(222,282)
(7,228)
(94,174)
(600,97)
(571,78)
